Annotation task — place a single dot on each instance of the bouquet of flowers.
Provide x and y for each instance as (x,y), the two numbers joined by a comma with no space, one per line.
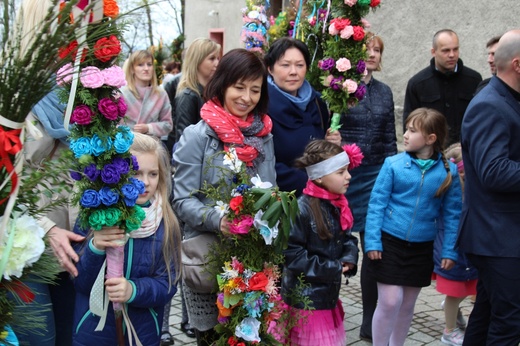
(254,30)
(335,34)
(247,261)
(106,190)
(26,77)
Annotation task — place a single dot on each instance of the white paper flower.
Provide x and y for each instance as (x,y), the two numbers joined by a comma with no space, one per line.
(257,182)
(27,245)
(222,208)
(231,160)
(262,226)
(248,329)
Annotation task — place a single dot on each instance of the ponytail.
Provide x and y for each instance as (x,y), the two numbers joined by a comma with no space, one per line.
(447,181)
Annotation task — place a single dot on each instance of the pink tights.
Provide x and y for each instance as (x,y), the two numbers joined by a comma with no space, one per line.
(394,314)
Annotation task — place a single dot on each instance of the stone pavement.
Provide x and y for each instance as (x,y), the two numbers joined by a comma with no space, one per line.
(426,328)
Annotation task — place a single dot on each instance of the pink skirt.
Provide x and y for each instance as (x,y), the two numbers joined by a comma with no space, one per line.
(452,288)
(321,327)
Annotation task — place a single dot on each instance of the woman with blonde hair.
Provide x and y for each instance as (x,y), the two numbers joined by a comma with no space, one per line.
(200,62)
(149,109)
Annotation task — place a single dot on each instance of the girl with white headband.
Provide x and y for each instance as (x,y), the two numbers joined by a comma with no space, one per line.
(321,246)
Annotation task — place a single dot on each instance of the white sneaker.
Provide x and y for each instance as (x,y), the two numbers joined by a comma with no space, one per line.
(461,322)
(455,338)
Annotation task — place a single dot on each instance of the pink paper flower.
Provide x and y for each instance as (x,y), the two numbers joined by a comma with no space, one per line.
(350,86)
(332,30)
(64,74)
(114,76)
(241,225)
(108,108)
(366,24)
(343,64)
(347,32)
(82,115)
(350,2)
(91,77)
(122,107)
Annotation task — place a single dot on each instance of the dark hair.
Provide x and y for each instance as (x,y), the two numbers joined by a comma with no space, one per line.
(280,46)
(430,121)
(492,41)
(317,151)
(172,65)
(442,31)
(238,65)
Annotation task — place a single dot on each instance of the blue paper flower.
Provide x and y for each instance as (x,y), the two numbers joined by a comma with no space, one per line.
(90,199)
(108,196)
(248,329)
(130,194)
(80,147)
(139,185)
(100,146)
(123,140)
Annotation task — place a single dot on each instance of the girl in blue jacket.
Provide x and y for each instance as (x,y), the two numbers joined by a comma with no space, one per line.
(412,190)
(150,265)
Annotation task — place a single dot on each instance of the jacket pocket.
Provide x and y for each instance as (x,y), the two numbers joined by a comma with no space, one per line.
(154,316)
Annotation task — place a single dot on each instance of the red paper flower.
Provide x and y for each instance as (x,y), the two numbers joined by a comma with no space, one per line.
(258,282)
(107,48)
(70,51)
(236,204)
(359,33)
(340,23)
(374,3)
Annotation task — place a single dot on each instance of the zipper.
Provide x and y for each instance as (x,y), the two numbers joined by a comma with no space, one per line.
(416,205)
(154,316)
(85,316)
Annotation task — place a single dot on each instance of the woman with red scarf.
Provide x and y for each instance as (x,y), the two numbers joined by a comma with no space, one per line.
(233,117)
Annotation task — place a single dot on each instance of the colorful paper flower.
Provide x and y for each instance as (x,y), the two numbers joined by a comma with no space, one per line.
(248,330)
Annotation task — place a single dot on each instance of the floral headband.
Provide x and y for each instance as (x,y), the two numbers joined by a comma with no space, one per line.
(351,155)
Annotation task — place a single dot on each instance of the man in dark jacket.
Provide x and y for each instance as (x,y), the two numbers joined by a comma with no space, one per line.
(446,85)
(490,219)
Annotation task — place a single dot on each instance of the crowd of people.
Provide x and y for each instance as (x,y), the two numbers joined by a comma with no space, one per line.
(431,211)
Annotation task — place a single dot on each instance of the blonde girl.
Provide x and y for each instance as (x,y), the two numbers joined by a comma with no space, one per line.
(152,258)
(149,110)
(412,191)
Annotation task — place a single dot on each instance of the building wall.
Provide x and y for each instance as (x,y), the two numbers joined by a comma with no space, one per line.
(406,26)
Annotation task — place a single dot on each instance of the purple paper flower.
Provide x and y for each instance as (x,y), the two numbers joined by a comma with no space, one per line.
(108,108)
(133,160)
(360,67)
(91,172)
(121,107)
(91,77)
(114,76)
(322,15)
(75,175)
(336,83)
(110,174)
(326,64)
(82,115)
(122,165)
(108,196)
(360,92)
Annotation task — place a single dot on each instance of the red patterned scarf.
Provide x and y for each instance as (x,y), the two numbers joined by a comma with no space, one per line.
(243,135)
(340,201)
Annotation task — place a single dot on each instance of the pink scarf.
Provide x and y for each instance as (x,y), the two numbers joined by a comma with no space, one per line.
(346,219)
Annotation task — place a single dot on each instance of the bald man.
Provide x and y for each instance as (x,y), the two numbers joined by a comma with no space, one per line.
(490,221)
(446,85)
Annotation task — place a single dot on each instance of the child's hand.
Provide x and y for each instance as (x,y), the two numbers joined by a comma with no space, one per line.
(347,267)
(119,290)
(447,263)
(104,237)
(375,255)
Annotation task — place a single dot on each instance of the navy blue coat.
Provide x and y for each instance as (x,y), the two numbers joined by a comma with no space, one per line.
(371,124)
(491,152)
(292,130)
(145,268)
